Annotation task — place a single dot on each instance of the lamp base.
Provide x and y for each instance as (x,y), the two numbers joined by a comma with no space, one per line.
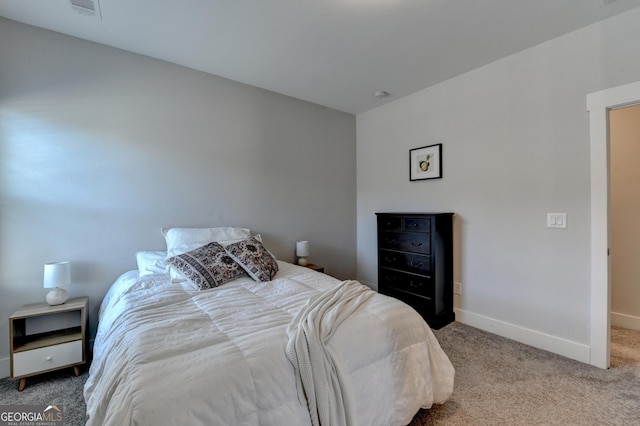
(57,296)
(302,261)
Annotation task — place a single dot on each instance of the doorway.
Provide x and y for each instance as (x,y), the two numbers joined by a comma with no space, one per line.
(624,199)
(599,104)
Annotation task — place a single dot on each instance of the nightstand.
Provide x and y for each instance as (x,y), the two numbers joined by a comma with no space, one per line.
(45,338)
(315,267)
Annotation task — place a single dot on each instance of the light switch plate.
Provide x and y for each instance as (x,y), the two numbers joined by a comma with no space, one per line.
(556,220)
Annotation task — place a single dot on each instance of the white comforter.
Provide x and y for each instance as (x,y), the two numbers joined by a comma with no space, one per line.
(166,354)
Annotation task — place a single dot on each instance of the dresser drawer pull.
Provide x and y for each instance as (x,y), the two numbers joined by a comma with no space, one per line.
(390,259)
(418,244)
(415,284)
(48,358)
(415,264)
(389,240)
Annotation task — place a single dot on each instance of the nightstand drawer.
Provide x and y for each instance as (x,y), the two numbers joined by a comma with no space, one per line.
(410,283)
(406,241)
(416,263)
(47,358)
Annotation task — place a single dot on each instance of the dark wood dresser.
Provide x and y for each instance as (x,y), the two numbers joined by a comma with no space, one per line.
(415,262)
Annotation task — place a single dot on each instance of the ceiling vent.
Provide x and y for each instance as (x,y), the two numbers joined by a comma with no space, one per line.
(87,7)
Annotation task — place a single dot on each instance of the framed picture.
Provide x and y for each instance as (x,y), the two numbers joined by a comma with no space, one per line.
(425,162)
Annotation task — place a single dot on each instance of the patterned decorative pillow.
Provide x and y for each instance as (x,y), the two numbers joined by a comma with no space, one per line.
(254,258)
(206,267)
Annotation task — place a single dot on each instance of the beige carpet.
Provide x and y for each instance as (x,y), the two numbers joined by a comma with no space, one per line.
(498,382)
(502,382)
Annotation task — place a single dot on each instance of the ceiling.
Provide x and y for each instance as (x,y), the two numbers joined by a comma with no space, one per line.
(335,53)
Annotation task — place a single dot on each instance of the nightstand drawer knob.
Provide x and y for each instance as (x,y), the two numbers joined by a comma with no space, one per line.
(49,358)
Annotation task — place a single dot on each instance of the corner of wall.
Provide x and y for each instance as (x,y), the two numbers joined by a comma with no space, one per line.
(547,342)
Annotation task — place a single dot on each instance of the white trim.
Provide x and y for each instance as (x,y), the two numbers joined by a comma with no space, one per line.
(547,342)
(600,296)
(598,105)
(625,321)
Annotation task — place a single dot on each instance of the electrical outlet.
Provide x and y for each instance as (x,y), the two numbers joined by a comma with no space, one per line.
(457,287)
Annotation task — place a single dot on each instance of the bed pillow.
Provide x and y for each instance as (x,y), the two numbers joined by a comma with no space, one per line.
(182,240)
(254,258)
(206,267)
(151,262)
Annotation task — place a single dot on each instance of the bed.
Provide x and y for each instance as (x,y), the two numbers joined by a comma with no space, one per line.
(171,349)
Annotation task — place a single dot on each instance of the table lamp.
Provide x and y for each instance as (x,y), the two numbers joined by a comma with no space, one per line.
(56,275)
(302,251)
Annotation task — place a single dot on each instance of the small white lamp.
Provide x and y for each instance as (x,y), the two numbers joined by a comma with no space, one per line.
(302,251)
(56,275)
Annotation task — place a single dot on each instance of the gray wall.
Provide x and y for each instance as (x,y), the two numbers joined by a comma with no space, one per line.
(100,148)
(515,137)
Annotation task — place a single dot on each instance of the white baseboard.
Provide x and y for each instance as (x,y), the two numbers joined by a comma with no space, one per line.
(547,342)
(4,368)
(625,321)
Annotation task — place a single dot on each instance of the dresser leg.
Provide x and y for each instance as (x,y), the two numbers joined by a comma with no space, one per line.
(76,370)
(22,385)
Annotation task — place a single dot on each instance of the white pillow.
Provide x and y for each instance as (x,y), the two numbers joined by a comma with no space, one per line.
(183,240)
(151,262)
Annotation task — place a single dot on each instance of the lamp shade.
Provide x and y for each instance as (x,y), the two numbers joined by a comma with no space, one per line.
(56,274)
(302,248)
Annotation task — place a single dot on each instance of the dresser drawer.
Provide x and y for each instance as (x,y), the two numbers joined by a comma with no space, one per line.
(389,223)
(423,305)
(405,241)
(416,263)
(417,224)
(410,283)
(47,358)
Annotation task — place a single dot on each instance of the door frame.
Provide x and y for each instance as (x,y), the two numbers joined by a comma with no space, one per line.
(599,104)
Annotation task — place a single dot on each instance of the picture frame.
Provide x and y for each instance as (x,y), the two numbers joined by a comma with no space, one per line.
(425,162)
